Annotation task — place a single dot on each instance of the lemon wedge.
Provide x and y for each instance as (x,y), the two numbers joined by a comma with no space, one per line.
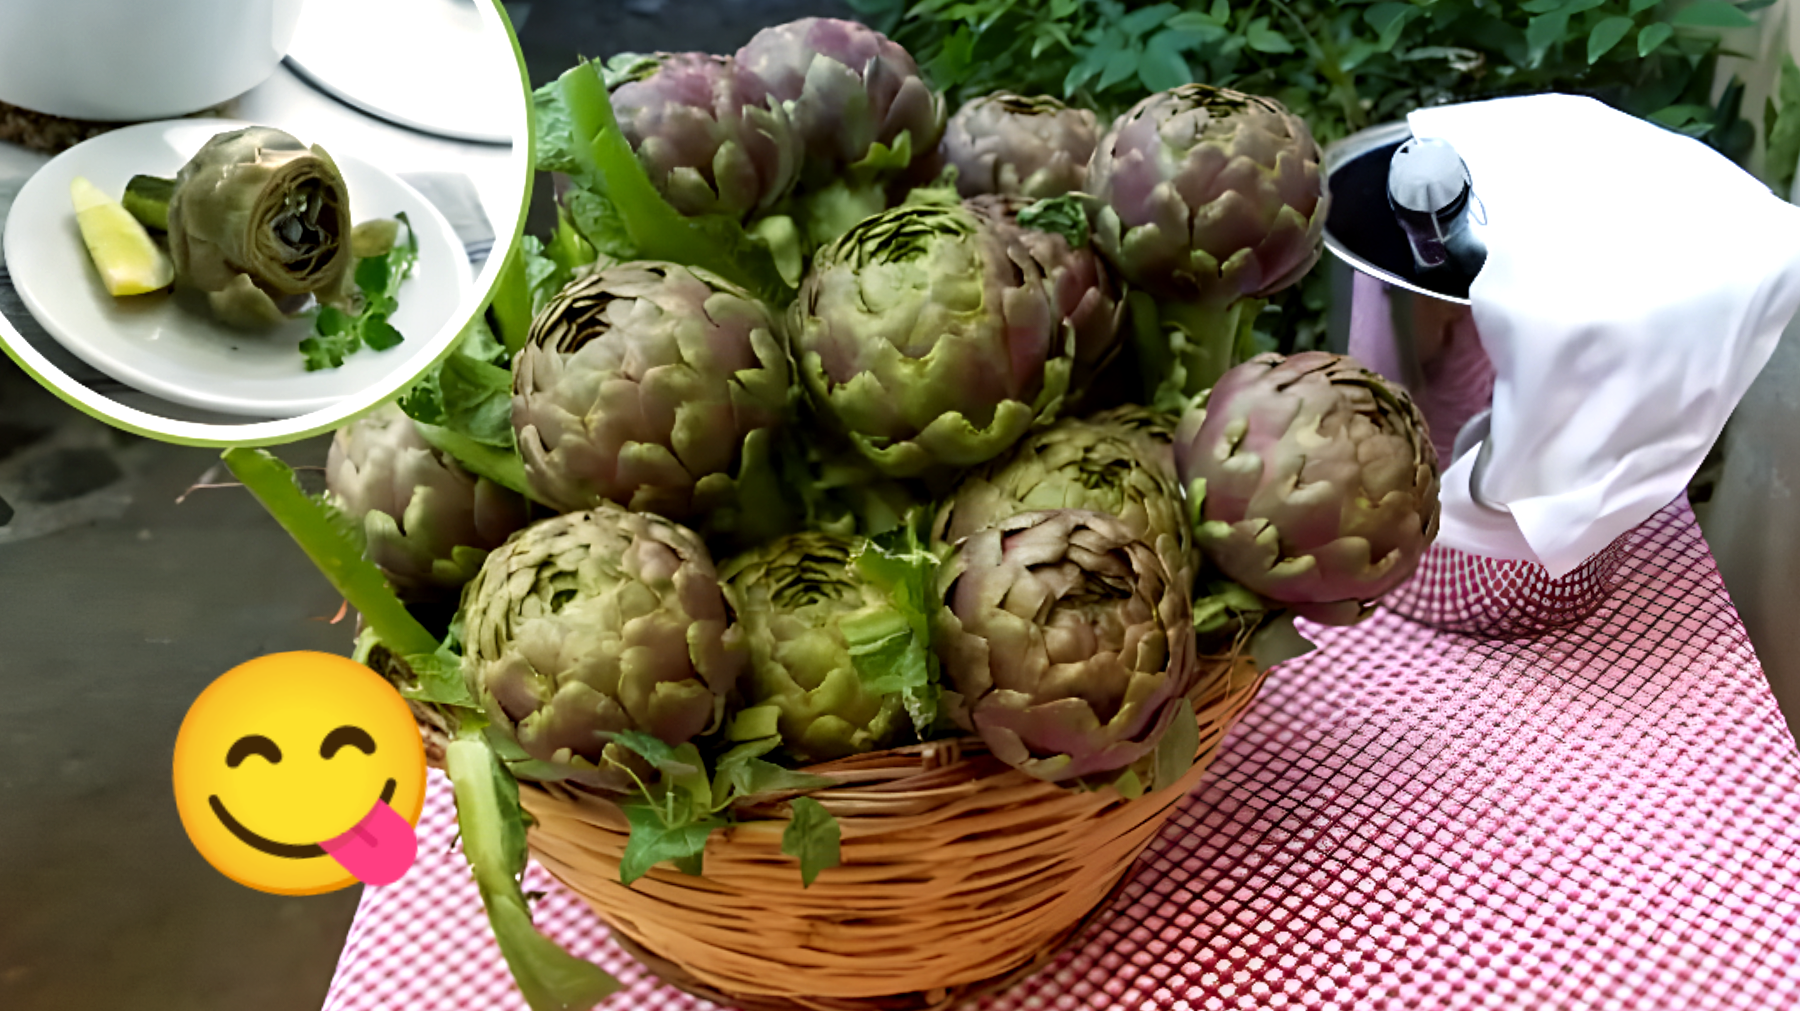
(128,259)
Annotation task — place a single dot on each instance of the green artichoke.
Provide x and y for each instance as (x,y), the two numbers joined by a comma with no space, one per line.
(654,386)
(1066,642)
(1211,200)
(1079,285)
(428,522)
(260,222)
(1311,480)
(806,611)
(929,340)
(1009,144)
(709,133)
(864,114)
(592,623)
(1121,463)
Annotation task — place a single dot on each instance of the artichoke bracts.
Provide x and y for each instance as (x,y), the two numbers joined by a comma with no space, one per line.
(864,115)
(1012,145)
(428,521)
(593,623)
(1210,200)
(708,132)
(654,386)
(260,222)
(1066,643)
(813,622)
(1311,480)
(1121,463)
(929,340)
(1079,286)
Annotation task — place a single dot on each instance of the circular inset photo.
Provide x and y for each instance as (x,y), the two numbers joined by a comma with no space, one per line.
(254,234)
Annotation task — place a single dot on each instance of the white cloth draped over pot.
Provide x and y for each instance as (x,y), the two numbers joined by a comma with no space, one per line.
(1636,283)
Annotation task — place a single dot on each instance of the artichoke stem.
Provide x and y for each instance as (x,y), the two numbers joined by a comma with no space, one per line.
(336,555)
(147,198)
(1200,344)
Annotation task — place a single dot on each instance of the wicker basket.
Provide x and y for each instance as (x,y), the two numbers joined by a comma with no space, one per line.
(959,876)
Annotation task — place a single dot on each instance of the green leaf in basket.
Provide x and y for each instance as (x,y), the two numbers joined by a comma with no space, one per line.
(895,653)
(1180,743)
(1278,641)
(1129,785)
(742,772)
(813,836)
(440,680)
(653,841)
(492,827)
(650,748)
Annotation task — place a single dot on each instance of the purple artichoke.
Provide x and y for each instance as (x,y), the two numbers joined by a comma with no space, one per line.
(597,622)
(1016,146)
(1209,195)
(428,522)
(650,385)
(1121,463)
(848,87)
(710,135)
(929,340)
(1067,643)
(865,117)
(1311,480)
(1083,292)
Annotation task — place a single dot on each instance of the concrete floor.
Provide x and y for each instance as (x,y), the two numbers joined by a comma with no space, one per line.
(118,606)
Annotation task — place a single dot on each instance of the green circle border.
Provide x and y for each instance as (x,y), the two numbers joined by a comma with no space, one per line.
(485,299)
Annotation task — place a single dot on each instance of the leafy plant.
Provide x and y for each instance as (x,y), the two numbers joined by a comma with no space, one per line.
(1343,66)
(338,334)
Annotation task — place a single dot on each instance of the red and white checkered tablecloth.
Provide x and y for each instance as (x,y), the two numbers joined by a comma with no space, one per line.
(1606,817)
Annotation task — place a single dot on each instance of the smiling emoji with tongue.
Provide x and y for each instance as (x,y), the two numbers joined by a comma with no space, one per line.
(301,773)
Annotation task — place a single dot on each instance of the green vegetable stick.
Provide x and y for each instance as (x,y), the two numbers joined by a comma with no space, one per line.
(656,228)
(493,836)
(147,198)
(332,548)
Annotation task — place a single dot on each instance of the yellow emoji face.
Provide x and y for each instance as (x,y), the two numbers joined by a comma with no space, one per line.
(301,773)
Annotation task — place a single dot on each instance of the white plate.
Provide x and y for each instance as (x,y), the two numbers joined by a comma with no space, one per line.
(165,345)
(470,93)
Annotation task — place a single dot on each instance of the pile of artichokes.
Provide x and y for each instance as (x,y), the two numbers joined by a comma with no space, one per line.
(996,463)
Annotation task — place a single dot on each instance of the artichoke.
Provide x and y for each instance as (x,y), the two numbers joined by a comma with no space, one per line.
(596,622)
(863,113)
(1311,480)
(710,135)
(1026,147)
(1079,285)
(807,613)
(929,340)
(1121,463)
(260,222)
(428,522)
(1210,194)
(1210,200)
(1067,644)
(654,386)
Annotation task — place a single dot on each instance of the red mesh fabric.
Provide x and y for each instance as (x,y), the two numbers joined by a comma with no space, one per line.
(1457,592)
(1604,817)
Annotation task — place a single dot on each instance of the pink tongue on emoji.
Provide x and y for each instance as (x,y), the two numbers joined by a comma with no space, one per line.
(379,850)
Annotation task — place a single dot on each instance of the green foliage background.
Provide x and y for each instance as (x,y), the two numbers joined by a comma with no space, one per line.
(1351,64)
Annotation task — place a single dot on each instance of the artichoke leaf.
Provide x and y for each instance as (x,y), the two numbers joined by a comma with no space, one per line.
(492,826)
